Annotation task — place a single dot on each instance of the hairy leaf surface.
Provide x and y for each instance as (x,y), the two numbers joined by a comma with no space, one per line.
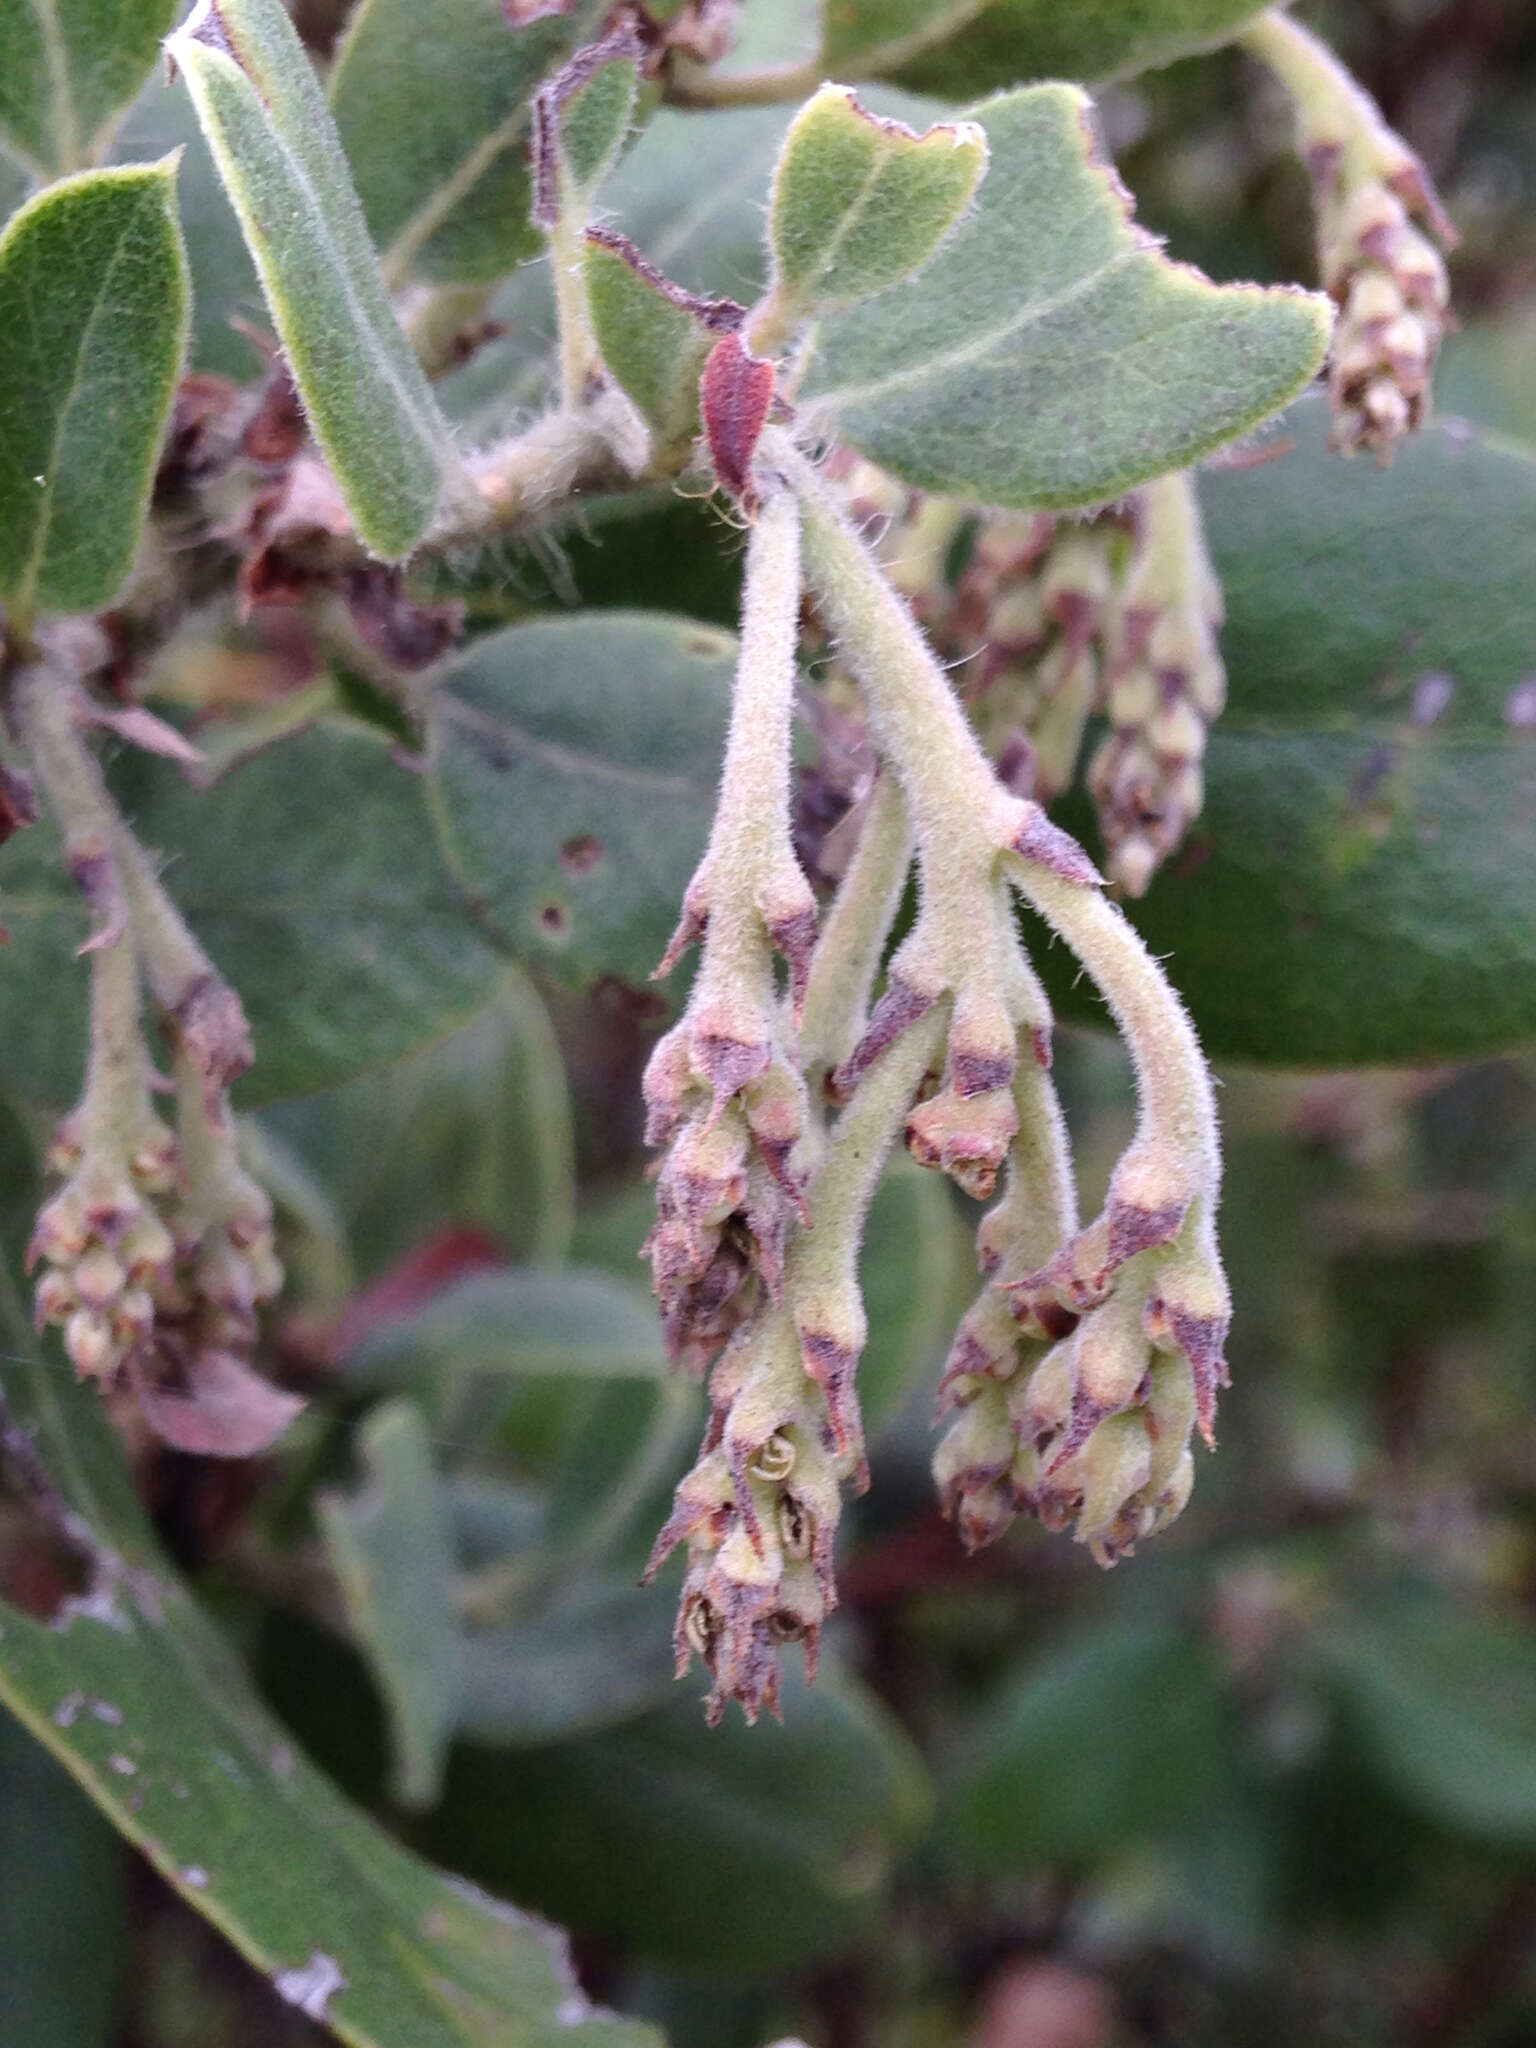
(434,121)
(93,328)
(390,1547)
(573,780)
(67,69)
(276,147)
(1049,355)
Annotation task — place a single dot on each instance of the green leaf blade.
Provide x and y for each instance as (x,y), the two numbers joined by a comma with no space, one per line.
(390,1547)
(435,126)
(859,203)
(193,1770)
(67,69)
(956,52)
(272,136)
(573,776)
(350,944)
(1048,356)
(93,328)
(1357,890)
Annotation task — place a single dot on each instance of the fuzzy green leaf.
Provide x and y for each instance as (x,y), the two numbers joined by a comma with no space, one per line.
(573,779)
(1049,355)
(141,1698)
(93,328)
(476,1126)
(434,119)
(859,203)
(224,282)
(273,139)
(599,1656)
(1358,888)
(654,340)
(590,106)
(956,51)
(391,1549)
(67,70)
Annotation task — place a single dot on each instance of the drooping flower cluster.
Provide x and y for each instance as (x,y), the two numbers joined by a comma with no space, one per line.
(1047,621)
(1381,230)
(1164,687)
(1092,1354)
(157,1250)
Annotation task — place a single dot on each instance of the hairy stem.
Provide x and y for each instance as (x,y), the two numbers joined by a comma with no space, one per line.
(1178,1104)
(853,937)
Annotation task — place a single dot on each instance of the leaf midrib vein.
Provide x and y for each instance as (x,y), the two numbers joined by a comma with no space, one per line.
(976,350)
(50,470)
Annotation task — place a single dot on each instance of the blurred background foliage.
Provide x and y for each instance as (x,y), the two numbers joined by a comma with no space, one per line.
(1272,1782)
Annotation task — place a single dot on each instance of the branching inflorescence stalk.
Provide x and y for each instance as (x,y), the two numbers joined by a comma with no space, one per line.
(157,1250)
(1091,1353)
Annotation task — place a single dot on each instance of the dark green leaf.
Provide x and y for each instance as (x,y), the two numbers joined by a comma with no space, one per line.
(93,328)
(573,777)
(1119,1736)
(729,1848)
(62,1900)
(1359,887)
(955,52)
(434,121)
(1445,1703)
(275,144)
(67,70)
(140,1697)
(1049,355)
(390,1548)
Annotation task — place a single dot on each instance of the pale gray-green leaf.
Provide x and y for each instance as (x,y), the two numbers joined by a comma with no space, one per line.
(225,287)
(957,48)
(434,121)
(859,203)
(349,943)
(93,327)
(390,1546)
(573,777)
(597,1656)
(591,105)
(1049,355)
(273,139)
(67,69)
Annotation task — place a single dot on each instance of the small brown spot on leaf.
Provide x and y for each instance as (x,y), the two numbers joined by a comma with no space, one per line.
(554,921)
(580,856)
